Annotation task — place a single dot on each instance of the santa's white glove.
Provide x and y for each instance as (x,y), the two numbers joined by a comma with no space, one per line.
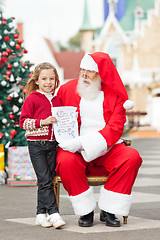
(71,145)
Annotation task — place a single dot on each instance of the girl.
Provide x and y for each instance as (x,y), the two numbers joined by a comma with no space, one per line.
(36,118)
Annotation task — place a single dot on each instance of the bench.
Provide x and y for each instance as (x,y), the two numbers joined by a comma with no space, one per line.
(96,176)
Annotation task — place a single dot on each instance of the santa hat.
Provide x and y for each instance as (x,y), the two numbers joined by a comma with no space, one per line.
(101,62)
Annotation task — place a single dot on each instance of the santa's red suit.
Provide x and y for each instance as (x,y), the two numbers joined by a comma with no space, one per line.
(101,123)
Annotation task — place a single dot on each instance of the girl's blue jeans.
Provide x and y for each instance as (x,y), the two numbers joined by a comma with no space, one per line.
(43,158)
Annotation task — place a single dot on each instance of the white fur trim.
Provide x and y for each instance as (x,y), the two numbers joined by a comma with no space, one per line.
(92,120)
(116,203)
(128,104)
(94,146)
(88,63)
(83,203)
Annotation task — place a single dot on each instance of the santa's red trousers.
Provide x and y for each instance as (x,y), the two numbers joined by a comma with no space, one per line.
(121,163)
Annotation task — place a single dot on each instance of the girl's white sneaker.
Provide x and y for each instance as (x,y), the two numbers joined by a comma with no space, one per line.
(56,220)
(41,220)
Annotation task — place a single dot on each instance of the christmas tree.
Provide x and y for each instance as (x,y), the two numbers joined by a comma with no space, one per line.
(14,73)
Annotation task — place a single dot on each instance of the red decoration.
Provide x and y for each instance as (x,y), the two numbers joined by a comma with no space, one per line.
(3,61)
(13,147)
(4,19)
(18,46)
(9,66)
(11,116)
(24,91)
(30,75)
(1,102)
(3,22)
(16,35)
(8,50)
(13,17)
(8,73)
(1,135)
(24,64)
(19,41)
(4,54)
(9,98)
(13,133)
(25,51)
(16,122)
(6,38)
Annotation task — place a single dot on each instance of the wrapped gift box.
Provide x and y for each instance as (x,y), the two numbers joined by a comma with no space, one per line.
(19,163)
(1,157)
(21,183)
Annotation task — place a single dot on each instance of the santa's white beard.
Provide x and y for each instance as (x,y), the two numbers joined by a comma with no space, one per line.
(91,90)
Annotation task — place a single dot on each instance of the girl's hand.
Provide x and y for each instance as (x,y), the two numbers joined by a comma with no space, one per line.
(48,121)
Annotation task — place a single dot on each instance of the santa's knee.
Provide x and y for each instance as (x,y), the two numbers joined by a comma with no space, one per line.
(134,159)
(68,162)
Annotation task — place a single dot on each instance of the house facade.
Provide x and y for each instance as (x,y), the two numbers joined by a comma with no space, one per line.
(133,43)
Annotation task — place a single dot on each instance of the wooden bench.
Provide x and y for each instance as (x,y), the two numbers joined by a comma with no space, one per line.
(95,180)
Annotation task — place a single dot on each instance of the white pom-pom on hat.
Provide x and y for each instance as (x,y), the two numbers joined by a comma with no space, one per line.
(128,104)
(88,63)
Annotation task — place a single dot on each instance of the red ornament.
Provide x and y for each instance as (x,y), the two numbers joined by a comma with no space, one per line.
(1,135)
(30,75)
(11,116)
(6,38)
(4,54)
(3,61)
(24,64)
(24,91)
(4,19)
(16,122)
(3,22)
(13,133)
(9,98)
(18,46)
(9,66)
(8,73)
(8,50)
(1,102)
(25,51)
(16,35)
(13,17)
(19,41)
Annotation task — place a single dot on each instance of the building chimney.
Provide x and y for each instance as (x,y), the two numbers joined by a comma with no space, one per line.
(20,30)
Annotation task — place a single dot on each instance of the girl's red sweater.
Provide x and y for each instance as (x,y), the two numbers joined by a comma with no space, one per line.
(37,107)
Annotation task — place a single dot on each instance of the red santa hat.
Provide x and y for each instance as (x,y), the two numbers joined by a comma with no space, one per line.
(101,62)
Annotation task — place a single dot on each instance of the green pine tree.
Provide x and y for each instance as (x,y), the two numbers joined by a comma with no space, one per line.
(14,73)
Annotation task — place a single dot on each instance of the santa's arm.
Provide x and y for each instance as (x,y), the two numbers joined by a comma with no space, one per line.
(96,144)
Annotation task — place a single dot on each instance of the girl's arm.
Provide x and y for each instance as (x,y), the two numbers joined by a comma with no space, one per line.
(27,121)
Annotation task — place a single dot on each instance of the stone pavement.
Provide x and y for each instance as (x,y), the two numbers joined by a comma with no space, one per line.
(17,207)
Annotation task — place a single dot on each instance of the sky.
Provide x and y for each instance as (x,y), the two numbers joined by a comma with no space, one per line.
(56,19)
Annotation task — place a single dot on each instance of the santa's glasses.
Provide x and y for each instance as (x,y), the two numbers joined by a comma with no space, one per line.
(89,73)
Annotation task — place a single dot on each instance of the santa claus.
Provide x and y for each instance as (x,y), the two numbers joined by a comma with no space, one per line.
(101,101)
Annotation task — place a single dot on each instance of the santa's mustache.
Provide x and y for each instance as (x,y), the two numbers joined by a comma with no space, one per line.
(84,80)
(87,88)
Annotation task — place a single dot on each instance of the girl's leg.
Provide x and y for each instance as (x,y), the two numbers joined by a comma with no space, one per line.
(38,154)
(50,199)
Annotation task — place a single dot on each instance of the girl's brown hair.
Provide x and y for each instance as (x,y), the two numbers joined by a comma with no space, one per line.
(32,86)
